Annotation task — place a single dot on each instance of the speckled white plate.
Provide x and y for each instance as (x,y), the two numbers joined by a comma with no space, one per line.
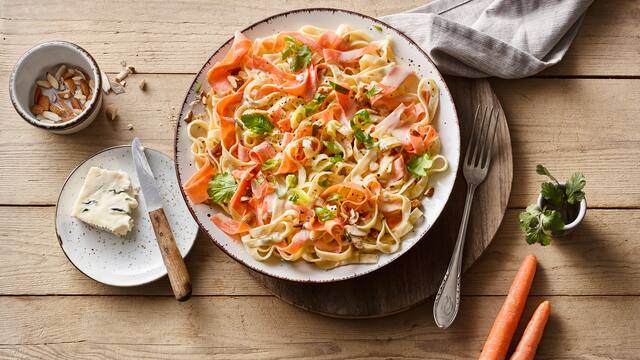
(407,53)
(134,259)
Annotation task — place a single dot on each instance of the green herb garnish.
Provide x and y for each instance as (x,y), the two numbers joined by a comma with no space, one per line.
(324,214)
(418,165)
(313,105)
(364,138)
(372,91)
(299,197)
(574,188)
(324,182)
(339,88)
(360,119)
(333,148)
(221,188)
(299,54)
(377,27)
(336,159)
(334,197)
(291,181)
(198,87)
(552,191)
(269,164)
(539,224)
(257,123)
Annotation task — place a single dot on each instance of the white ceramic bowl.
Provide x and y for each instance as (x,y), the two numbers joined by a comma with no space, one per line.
(407,53)
(33,65)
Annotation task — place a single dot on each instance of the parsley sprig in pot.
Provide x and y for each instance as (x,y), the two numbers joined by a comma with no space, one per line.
(560,208)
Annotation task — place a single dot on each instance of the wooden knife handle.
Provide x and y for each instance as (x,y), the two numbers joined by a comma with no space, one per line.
(178,274)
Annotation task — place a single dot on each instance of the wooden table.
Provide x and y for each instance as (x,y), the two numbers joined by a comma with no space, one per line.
(583,114)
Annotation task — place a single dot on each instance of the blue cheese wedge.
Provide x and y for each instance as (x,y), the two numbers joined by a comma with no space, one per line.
(106,201)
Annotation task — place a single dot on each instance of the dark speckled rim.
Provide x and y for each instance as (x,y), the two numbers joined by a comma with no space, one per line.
(206,67)
(55,218)
(86,113)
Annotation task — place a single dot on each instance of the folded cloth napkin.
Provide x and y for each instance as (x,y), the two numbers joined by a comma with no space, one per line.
(503,38)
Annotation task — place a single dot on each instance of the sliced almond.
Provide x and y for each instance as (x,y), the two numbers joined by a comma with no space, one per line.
(43,119)
(64,94)
(122,75)
(111,112)
(43,83)
(61,70)
(70,85)
(130,126)
(80,73)
(57,110)
(51,116)
(142,84)
(52,80)
(91,84)
(75,103)
(36,94)
(85,88)
(106,84)
(43,101)
(37,109)
(77,78)
(188,117)
(117,88)
(77,111)
(68,111)
(68,74)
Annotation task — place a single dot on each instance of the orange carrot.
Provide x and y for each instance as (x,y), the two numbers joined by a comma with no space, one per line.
(196,186)
(526,349)
(506,322)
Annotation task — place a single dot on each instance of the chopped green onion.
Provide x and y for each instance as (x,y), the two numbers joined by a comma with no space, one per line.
(339,88)
(334,197)
(372,91)
(291,181)
(333,148)
(324,214)
(269,164)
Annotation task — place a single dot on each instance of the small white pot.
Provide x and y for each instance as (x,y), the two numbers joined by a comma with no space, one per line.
(582,211)
(32,66)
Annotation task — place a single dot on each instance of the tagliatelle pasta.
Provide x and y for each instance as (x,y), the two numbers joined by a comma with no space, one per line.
(316,145)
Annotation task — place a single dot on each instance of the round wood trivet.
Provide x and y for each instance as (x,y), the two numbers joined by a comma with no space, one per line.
(416,275)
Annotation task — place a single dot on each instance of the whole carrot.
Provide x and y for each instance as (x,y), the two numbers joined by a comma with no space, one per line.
(505,324)
(527,346)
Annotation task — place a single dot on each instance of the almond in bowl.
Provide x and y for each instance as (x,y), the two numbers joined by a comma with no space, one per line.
(56,86)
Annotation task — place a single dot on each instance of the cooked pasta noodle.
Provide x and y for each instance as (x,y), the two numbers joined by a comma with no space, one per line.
(316,145)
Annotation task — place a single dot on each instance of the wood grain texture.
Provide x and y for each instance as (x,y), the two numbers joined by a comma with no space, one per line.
(600,258)
(175,37)
(265,328)
(587,125)
(173,261)
(417,274)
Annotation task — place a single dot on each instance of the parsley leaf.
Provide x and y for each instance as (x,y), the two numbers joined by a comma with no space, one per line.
(336,159)
(539,224)
(364,138)
(334,197)
(339,88)
(221,188)
(333,148)
(257,123)
(360,118)
(198,87)
(377,27)
(269,164)
(324,182)
(299,197)
(553,193)
(299,54)
(324,214)
(573,188)
(418,165)
(372,91)
(313,105)
(541,170)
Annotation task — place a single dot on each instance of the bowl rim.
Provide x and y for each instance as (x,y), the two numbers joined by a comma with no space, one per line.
(84,115)
(212,239)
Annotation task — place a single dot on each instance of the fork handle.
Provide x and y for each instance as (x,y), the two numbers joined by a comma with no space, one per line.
(445,307)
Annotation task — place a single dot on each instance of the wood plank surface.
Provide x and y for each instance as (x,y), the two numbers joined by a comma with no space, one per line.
(600,258)
(266,328)
(588,125)
(178,37)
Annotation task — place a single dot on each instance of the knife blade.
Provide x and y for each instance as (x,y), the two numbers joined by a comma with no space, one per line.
(173,261)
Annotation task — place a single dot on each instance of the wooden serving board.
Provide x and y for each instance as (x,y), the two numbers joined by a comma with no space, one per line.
(416,275)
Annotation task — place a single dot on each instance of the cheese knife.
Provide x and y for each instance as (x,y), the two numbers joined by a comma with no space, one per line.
(173,261)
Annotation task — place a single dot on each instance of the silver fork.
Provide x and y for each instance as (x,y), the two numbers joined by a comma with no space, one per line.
(475,169)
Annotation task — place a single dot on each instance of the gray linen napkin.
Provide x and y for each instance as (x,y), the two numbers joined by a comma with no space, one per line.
(504,38)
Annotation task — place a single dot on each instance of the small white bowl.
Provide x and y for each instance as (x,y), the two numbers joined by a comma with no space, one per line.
(33,65)
(581,212)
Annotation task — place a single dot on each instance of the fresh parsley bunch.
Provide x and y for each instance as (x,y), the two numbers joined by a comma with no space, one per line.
(539,224)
